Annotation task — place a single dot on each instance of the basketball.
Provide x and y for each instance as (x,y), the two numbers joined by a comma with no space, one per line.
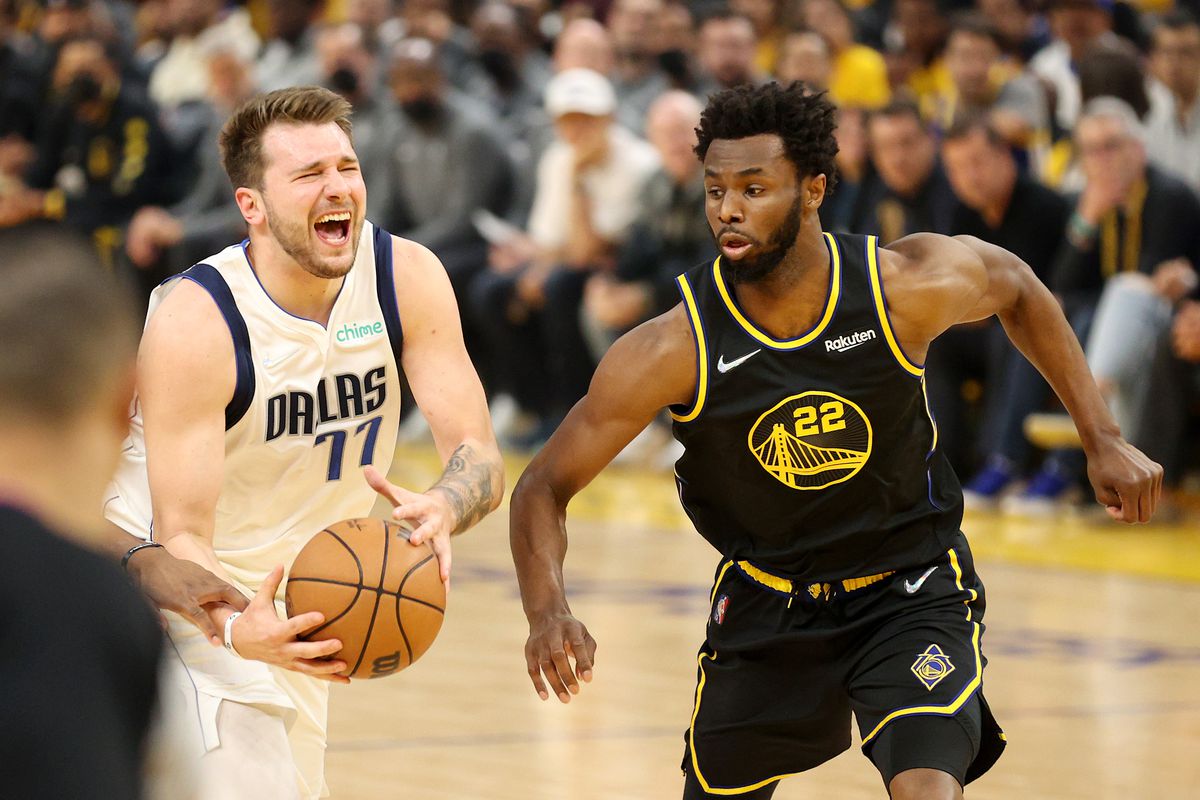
(381,596)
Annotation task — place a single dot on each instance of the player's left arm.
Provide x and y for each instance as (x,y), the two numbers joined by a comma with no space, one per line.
(449,394)
(940,281)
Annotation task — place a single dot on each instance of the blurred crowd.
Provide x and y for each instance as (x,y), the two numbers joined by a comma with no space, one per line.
(543,151)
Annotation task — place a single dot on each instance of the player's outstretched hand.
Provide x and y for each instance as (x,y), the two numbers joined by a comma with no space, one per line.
(260,634)
(429,514)
(188,589)
(554,640)
(1127,483)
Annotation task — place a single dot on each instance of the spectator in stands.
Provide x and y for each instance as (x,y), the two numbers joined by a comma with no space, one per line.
(859,77)
(584,44)
(289,57)
(446,163)
(514,70)
(909,191)
(670,236)
(163,241)
(1173,128)
(915,61)
(22,75)
(588,195)
(197,28)
(675,33)
(349,67)
(101,156)
(726,53)
(983,81)
(767,16)
(1006,207)
(377,18)
(1130,218)
(1022,32)
(637,78)
(805,56)
(1077,25)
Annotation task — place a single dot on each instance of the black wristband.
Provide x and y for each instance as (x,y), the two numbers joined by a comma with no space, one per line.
(134,549)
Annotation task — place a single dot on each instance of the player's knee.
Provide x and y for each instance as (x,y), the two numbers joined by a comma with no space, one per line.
(924,784)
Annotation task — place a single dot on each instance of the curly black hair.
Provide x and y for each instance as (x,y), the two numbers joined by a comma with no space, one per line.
(803,119)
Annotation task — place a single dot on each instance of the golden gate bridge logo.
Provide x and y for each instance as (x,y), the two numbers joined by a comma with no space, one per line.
(812,440)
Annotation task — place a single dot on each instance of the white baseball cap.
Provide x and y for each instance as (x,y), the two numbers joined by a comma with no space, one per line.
(580,91)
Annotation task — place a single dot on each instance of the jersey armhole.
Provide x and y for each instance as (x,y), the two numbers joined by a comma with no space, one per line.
(385,290)
(209,279)
(871,244)
(689,413)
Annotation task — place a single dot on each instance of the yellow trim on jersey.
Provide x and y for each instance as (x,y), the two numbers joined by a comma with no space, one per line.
(692,744)
(929,413)
(787,586)
(689,300)
(720,577)
(835,290)
(952,707)
(881,309)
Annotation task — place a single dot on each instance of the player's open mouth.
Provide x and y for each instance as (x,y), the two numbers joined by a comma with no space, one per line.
(734,246)
(333,228)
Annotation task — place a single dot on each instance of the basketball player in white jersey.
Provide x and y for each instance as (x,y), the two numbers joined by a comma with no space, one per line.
(267,408)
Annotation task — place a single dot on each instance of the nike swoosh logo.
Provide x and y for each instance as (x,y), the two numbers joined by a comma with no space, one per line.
(913,588)
(725,366)
(275,360)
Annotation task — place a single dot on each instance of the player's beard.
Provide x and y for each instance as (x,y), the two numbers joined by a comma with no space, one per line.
(296,240)
(753,269)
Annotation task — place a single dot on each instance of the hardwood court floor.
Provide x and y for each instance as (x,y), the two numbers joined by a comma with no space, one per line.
(1092,635)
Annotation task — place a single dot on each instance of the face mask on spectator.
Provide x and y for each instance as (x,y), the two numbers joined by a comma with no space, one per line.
(83,88)
(500,66)
(344,81)
(421,109)
(674,63)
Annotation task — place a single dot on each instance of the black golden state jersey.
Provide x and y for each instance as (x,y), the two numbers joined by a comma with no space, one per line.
(814,457)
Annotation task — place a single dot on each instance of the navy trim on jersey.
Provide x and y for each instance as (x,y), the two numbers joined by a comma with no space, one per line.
(385,288)
(208,278)
(249,263)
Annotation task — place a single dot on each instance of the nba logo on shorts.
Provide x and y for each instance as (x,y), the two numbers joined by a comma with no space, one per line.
(720,608)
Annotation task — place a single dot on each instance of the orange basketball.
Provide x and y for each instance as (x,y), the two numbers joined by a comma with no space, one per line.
(381,596)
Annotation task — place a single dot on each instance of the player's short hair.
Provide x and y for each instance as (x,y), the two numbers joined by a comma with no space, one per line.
(803,119)
(67,325)
(242,135)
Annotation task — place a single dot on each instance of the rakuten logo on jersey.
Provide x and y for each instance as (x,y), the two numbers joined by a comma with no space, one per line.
(849,341)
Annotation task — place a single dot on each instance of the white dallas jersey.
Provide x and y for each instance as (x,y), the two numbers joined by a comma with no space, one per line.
(313,405)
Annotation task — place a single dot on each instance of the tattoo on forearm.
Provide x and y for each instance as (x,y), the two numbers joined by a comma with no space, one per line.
(468,483)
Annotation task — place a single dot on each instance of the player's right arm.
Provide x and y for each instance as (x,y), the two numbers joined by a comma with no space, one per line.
(186,377)
(649,368)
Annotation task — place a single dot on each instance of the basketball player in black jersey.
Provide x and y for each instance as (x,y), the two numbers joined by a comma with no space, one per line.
(792,370)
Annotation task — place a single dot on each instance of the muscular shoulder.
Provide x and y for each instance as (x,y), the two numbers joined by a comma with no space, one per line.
(928,280)
(656,361)
(188,342)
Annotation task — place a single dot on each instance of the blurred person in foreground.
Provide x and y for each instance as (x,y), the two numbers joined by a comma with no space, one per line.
(588,195)
(1004,206)
(1131,218)
(82,647)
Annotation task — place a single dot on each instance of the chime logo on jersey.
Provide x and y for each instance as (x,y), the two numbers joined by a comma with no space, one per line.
(343,396)
(932,666)
(812,440)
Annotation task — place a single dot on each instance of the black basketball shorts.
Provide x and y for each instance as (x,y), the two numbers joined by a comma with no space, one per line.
(785,664)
